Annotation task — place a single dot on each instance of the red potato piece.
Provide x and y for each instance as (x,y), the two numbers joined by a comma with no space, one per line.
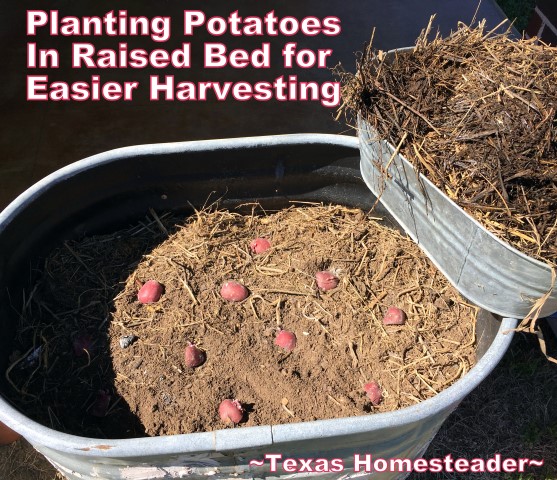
(150,292)
(394,316)
(326,280)
(231,411)
(259,245)
(373,392)
(233,291)
(99,408)
(7,435)
(286,340)
(194,357)
(82,345)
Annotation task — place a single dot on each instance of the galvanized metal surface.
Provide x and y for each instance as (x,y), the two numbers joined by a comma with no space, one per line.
(170,174)
(486,270)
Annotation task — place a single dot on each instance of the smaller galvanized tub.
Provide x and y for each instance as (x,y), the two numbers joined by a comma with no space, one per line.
(486,270)
(113,188)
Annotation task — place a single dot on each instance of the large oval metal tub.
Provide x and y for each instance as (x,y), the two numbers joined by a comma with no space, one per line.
(486,270)
(107,190)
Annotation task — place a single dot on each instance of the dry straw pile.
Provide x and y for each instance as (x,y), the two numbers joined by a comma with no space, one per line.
(476,113)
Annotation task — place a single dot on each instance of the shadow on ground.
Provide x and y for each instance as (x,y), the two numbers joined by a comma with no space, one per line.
(61,372)
(513,412)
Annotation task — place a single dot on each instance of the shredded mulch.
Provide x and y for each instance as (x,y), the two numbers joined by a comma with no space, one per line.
(88,289)
(476,113)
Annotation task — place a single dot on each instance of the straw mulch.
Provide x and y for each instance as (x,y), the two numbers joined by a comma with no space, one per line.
(476,113)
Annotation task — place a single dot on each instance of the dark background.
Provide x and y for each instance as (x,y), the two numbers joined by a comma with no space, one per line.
(37,138)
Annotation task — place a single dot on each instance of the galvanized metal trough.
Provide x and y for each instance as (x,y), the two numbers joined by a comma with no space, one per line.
(108,190)
(486,270)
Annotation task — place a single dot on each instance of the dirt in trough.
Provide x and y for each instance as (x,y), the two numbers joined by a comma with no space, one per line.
(89,289)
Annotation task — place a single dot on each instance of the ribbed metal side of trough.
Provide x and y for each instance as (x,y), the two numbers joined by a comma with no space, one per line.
(486,270)
(108,190)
